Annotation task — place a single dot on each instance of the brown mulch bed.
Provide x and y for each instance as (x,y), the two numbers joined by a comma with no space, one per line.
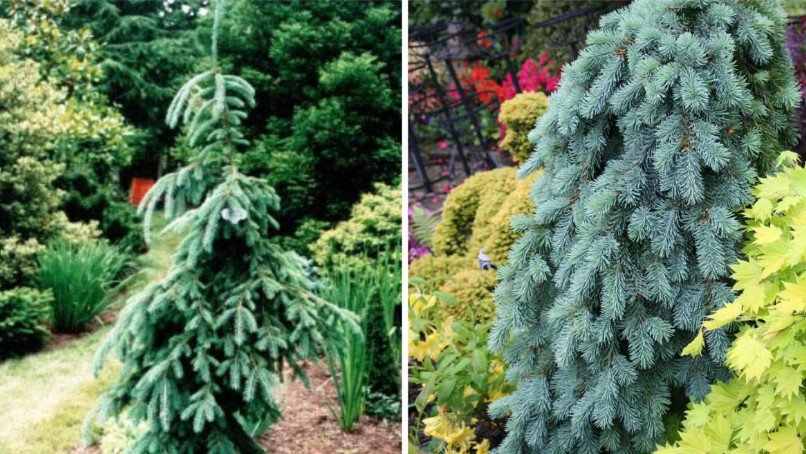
(308,426)
(59,340)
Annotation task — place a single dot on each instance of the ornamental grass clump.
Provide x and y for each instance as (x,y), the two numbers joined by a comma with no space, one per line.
(349,366)
(203,349)
(649,148)
(82,277)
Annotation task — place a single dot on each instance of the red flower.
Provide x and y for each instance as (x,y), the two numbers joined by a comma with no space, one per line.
(482,41)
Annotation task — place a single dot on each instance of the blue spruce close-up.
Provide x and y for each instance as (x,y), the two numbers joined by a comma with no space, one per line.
(649,148)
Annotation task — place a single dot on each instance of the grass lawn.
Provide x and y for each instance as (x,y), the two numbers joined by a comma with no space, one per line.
(44,397)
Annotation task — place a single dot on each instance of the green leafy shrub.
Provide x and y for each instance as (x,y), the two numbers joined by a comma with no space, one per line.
(29,128)
(456,374)
(519,115)
(23,320)
(762,408)
(374,228)
(91,143)
(649,148)
(81,277)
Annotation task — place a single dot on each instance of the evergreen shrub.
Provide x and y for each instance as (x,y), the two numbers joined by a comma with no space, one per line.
(373,229)
(649,148)
(91,143)
(24,316)
(519,115)
(484,191)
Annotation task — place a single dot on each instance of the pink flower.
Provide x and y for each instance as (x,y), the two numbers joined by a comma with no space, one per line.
(442,144)
(533,77)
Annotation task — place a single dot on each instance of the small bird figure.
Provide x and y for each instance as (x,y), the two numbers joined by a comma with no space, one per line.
(485,263)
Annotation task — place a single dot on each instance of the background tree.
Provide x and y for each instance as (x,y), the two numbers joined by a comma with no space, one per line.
(328,75)
(649,146)
(93,144)
(203,349)
(147,48)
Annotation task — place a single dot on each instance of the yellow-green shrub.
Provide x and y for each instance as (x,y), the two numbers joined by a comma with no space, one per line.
(763,409)
(29,127)
(374,227)
(519,114)
(495,235)
(473,289)
(458,276)
(480,193)
(434,270)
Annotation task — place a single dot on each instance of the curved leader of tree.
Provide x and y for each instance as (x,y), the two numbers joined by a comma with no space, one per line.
(649,147)
(203,348)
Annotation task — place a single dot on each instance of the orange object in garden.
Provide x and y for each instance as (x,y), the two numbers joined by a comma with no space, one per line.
(139,188)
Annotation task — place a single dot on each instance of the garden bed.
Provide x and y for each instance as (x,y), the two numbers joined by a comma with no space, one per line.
(308,425)
(44,397)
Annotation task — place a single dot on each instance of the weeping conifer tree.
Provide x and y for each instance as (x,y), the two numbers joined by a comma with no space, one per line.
(649,147)
(203,349)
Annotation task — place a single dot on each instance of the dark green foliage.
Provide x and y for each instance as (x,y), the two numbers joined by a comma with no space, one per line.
(23,317)
(82,278)
(473,13)
(327,75)
(203,349)
(554,39)
(86,199)
(147,48)
(649,147)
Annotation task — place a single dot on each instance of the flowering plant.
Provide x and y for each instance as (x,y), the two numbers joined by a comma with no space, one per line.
(457,374)
(533,77)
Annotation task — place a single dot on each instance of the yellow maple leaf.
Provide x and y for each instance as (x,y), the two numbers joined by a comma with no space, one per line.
(767,234)
(787,381)
(723,316)
(792,298)
(773,187)
(785,441)
(694,348)
(753,298)
(749,356)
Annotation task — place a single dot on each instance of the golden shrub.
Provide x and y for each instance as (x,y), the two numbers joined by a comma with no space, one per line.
(472,201)
(519,114)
